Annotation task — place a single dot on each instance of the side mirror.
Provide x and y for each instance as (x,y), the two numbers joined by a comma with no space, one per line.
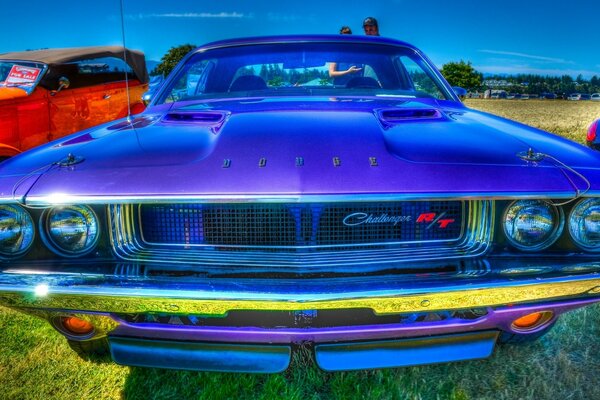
(147,97)
(63,83)
(460,92)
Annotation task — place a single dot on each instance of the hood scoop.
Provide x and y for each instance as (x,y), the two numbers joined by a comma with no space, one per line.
(203,117)
(397,115)
(213,120)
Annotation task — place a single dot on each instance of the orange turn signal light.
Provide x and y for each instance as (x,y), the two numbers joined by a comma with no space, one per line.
(77,326)
(532,320)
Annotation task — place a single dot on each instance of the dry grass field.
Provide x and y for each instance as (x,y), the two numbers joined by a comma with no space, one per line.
(569,119)
(36,363)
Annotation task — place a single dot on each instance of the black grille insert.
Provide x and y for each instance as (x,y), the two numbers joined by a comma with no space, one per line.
(302,225)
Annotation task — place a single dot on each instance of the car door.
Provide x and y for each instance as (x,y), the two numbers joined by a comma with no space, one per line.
(116,89)
(84,103)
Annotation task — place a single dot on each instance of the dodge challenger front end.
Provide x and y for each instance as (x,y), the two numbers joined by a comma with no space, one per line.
(258,205)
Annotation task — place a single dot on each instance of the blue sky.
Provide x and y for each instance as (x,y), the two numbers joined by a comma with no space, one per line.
(512,36)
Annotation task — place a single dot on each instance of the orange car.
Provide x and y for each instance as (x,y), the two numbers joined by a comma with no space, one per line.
(47,94)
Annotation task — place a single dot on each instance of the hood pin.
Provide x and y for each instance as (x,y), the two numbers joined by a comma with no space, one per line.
(69,160)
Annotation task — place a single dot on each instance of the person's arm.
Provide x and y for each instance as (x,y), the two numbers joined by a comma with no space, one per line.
(333,73)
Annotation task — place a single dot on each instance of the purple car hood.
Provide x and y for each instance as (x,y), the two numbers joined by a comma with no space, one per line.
(300,147)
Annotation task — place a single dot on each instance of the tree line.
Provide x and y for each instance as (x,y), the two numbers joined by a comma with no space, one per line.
(464,75)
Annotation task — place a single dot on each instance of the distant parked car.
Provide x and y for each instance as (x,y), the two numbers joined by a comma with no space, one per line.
(47,94)
(574,96)
(548,96)
(585,97)
(596,97)
(524,97)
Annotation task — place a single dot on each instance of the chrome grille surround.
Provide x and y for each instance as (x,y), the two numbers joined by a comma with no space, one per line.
(473,240)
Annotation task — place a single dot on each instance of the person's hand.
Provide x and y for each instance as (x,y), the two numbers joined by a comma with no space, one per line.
(353,69)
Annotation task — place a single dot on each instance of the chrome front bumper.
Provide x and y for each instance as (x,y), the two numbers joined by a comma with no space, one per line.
(114,288)
(106,293)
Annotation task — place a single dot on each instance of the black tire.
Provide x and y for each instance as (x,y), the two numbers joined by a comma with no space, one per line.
(91,350)
(522,338)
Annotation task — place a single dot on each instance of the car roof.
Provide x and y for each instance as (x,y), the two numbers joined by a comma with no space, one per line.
(134,58)
(306,38)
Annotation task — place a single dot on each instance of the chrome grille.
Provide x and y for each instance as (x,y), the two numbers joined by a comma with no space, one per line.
(283,225)
(301,234)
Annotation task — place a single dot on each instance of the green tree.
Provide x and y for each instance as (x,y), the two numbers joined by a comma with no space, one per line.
(171,58)
(462,74)
(276,81)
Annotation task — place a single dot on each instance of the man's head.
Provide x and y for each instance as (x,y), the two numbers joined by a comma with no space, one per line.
(370,26)
(345,30)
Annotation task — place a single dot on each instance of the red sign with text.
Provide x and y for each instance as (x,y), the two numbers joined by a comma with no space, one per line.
(22,75)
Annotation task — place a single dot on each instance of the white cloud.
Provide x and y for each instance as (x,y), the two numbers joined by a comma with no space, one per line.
(528,56)
(275,17)
(190,15)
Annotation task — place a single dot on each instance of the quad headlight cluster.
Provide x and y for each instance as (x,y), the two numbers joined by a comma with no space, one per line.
(69,231)
(584,224)
(16,230)
(533,225)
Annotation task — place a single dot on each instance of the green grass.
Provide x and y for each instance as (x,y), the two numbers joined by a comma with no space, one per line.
(36,363)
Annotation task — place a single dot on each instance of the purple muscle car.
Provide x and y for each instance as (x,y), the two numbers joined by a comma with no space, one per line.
(260,203)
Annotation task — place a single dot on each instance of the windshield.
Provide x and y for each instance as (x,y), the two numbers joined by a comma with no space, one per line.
(21,74)
(305,69)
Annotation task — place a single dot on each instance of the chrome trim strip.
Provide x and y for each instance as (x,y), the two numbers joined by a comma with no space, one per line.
(169,246)
(59,199)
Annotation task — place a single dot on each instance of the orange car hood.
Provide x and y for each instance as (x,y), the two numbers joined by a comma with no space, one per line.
(9,93)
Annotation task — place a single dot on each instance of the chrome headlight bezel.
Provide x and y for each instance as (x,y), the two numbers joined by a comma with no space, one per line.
(18,210)
(576,212)
(50,239)
(549,238)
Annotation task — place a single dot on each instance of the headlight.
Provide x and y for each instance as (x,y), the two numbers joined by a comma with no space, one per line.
(16,230)
(71,230)
(532,225)
(584,224)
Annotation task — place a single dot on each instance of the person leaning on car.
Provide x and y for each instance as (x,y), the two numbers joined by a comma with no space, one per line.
(342,77)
